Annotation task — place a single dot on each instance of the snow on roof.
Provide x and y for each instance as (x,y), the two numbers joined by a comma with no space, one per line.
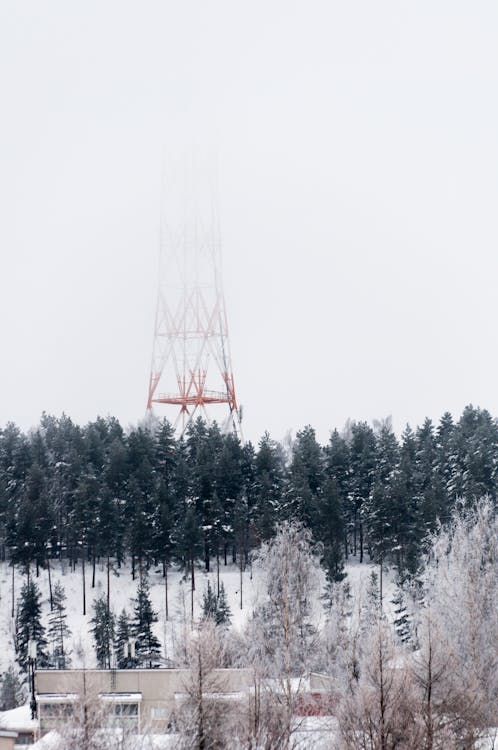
(296,685)
(18,719)
(235,696)
(50,741)
(57,697)
(121,697)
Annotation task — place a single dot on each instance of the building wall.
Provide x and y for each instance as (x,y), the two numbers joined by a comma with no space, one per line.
(157,687)
(7,743)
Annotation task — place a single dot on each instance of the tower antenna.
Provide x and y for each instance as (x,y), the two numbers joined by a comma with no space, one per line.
(191,365)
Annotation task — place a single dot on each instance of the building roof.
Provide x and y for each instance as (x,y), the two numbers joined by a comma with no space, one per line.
(121,697)
(18,719)
(57,697)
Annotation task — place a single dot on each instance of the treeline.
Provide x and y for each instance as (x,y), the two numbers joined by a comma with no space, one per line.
(100,492)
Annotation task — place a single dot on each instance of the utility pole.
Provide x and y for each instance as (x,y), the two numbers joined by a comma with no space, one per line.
(32,653)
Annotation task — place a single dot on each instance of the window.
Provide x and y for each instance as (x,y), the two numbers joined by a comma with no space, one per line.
(56,710)
(126,709)
(23,740)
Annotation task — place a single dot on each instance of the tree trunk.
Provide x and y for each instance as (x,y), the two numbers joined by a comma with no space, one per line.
(83,575)
(361,540)
(192,588)
(241,577)
(50,585)
(108,584)
(13,597)
(217,569)
(354,532)
(166,590)
(93,568)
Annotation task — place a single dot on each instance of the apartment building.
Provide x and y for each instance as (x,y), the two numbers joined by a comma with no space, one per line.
(142,699)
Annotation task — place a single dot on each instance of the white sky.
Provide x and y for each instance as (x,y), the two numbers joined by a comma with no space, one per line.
(358,151)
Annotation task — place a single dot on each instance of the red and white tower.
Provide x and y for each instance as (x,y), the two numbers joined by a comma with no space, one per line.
(191,366)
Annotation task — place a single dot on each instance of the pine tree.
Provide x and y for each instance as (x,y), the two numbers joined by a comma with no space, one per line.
(103,632)
(371,610)
(268,486)
(362,451)
(329,525)
(209,603)
(123,635)
(147,645)
(223,613)
(401,618)
(58,630)
(11,690)
(29,626)
(306,475)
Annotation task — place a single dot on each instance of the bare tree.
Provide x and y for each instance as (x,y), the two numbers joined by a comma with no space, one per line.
(445,717)
(204,714)
(282,637)
(91,724)
(378,713)
(460,622)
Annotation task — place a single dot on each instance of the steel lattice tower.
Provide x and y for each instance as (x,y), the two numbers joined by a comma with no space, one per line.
(191,364)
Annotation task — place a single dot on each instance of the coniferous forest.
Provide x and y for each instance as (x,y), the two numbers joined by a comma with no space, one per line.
(419,509)
(101,492)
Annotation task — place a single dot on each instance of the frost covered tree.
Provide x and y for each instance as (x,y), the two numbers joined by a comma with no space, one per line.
(202,720)
(460,583)
(282,634)
(445,714)
(58,629)
(92,725)
(378,713)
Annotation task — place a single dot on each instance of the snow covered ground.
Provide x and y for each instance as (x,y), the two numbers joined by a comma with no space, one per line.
(123,589)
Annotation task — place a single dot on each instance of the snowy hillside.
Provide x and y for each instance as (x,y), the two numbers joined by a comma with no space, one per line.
(123,590)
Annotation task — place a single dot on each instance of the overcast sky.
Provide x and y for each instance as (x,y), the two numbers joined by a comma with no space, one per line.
(357,146)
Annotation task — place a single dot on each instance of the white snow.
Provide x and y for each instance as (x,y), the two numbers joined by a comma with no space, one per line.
(123,589)
(18,719)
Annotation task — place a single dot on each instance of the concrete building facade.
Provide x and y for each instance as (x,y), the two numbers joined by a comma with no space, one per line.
(142,699)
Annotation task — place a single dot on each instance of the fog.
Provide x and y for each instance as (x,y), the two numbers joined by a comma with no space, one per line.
(358,184)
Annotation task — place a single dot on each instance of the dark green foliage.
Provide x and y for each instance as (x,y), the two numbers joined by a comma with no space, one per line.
(147,646)
(11,690)
(402,620)
(123,635)
(329,529)
(223,613)
(209,603)
(58,630)
(29,626)
(102,630)
(94,492)
(216,607)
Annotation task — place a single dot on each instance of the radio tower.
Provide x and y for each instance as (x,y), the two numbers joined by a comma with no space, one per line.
(191,364)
